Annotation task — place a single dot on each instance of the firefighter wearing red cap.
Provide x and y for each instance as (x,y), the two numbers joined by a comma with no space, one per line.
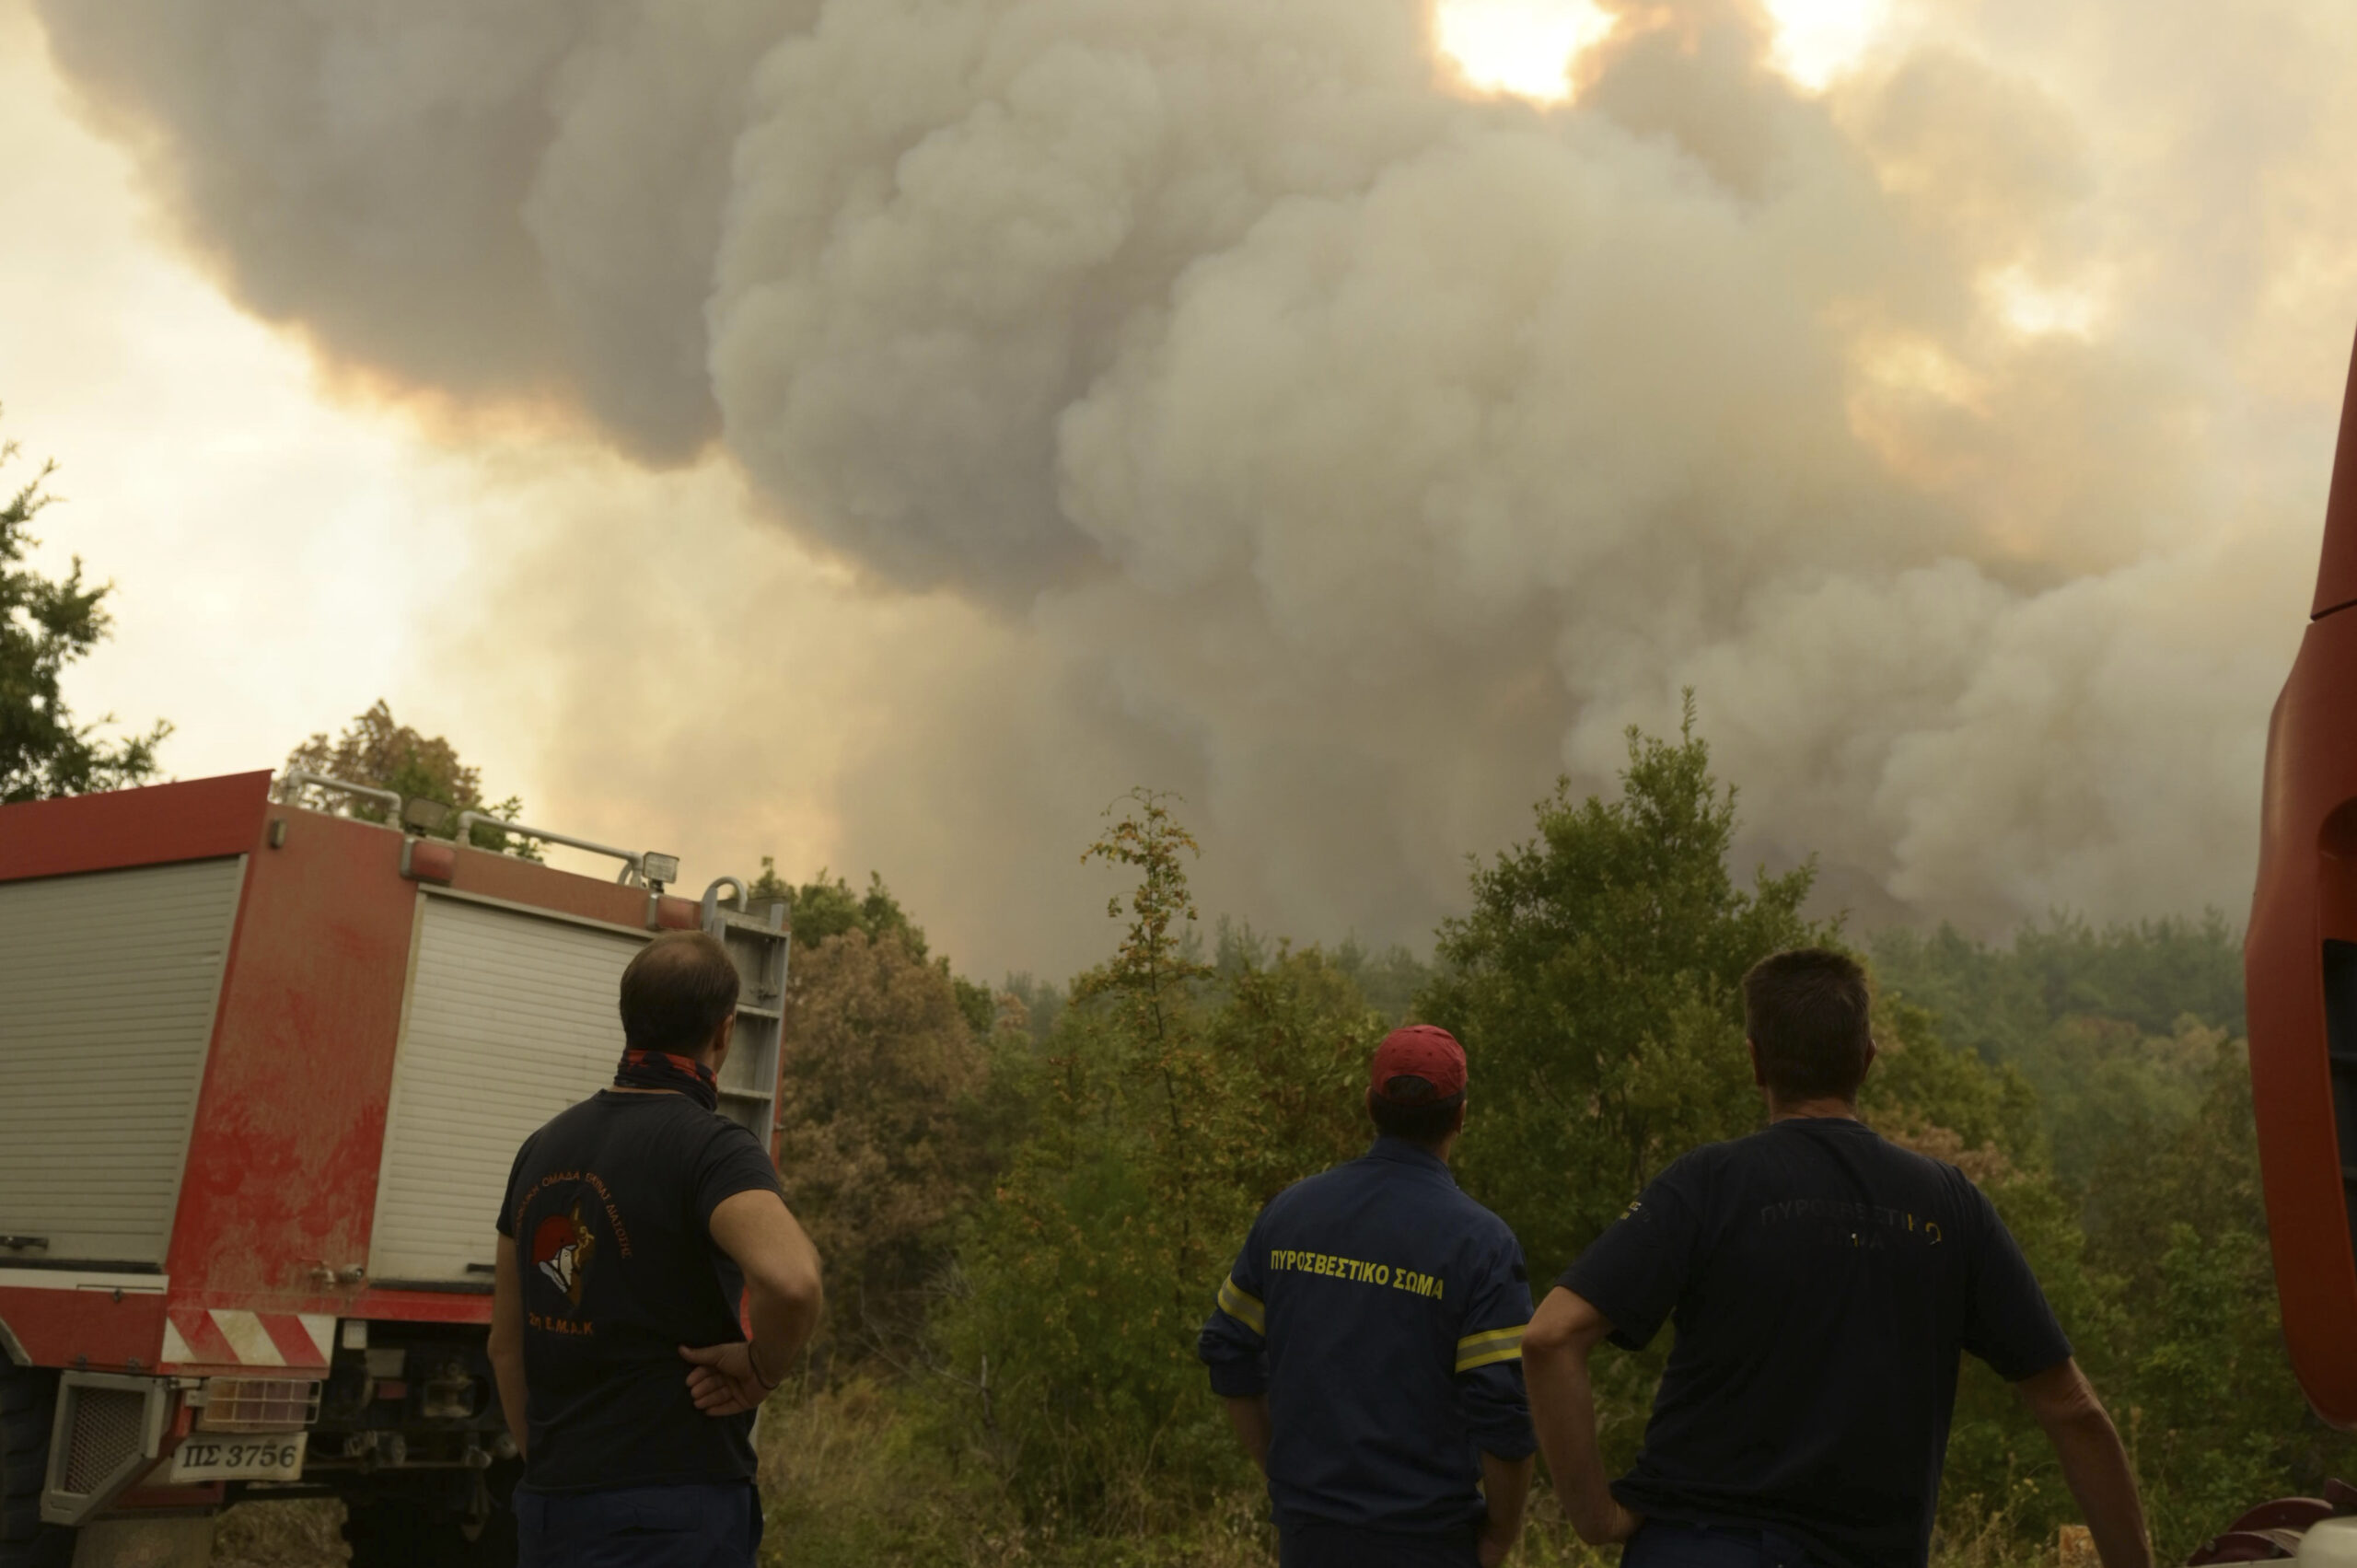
(1369,1343)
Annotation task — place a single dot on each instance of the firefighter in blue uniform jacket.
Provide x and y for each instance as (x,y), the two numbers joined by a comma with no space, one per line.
(1369,1342)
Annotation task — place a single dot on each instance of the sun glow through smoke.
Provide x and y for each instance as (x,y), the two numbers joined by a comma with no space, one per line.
(2033,308)
(1818,39)
(1523,47)
(1526,47)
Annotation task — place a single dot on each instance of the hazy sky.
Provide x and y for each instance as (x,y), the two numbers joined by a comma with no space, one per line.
(273,550)
(878,435)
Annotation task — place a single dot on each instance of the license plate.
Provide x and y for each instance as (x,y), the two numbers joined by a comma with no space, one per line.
(268,1456)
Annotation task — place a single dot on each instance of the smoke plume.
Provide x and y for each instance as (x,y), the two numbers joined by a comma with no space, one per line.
(1217,393)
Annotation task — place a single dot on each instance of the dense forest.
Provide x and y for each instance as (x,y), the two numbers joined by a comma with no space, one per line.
(1028,1194)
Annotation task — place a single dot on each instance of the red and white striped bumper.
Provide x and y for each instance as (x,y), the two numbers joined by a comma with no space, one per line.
(223,1336)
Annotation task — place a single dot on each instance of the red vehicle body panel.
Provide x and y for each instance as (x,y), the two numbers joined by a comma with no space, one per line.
(288,1143)
(198,821)
(2306,897)
(290,1123)
(93,1327)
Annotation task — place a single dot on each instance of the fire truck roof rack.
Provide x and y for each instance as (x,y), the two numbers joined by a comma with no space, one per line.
(633,874)
(634,863)
(298,776)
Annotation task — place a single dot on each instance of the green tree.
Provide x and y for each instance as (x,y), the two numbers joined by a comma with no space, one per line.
(827,907)
(1033,1003)
(47,623)
(1291,1040)
(1943,1101)
(2196,1370)
(2085,1078)
(377,750)
(1594,985)
(1170,1103)
(1163,1068)
(883,1134)
(1390,979)
(2113,1025)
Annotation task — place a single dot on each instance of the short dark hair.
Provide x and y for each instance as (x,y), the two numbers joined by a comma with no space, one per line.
(676,992)
(1412,1113)
(1808,1012)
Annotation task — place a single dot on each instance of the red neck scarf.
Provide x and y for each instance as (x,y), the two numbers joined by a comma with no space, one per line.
(662,1070)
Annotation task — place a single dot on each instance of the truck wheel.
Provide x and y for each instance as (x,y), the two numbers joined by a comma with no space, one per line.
(28,1403)
(398,1533)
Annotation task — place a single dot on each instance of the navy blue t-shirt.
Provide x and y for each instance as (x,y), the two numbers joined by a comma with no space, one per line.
(609,1206)
(1381,1310)
(1823,1282)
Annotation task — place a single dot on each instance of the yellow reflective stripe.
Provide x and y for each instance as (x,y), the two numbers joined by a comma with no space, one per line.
(1510,1353)
(1244,1307)
(1489,1346)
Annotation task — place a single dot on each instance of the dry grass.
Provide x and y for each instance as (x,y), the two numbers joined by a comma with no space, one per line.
(847,1481)
(845,1485)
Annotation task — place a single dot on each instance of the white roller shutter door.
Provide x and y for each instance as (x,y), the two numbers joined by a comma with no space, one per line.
(108,983)
(511,1017)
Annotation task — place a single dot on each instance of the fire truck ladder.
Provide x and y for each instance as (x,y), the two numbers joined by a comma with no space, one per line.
(757,941)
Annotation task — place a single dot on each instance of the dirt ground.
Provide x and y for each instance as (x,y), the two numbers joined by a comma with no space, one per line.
(281,1535)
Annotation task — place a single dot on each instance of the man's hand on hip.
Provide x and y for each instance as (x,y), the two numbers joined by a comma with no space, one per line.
(1619,1524)
(1564,1330)
(721,1378)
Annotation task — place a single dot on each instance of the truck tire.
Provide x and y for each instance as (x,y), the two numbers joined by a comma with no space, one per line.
(387,1532)
(28,1403)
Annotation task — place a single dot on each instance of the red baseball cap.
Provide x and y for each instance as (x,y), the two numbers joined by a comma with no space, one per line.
(1420,1050)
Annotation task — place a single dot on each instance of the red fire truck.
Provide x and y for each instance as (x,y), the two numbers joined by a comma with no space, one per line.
(2301,963)
(263,1070)
(2300,969)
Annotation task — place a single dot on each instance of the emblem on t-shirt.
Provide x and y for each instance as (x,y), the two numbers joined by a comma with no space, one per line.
(562,1246)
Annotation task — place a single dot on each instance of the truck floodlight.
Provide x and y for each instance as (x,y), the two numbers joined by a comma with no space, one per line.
(420,815)
(658,869)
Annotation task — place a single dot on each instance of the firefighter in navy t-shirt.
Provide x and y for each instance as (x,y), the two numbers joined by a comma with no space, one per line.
(1823,1284)
(1369,1341)
(633,1226)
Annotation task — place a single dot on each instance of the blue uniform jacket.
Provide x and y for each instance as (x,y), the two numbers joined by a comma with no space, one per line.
(1381,1310)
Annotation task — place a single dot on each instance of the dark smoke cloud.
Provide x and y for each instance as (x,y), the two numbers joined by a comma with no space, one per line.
(1253,413)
